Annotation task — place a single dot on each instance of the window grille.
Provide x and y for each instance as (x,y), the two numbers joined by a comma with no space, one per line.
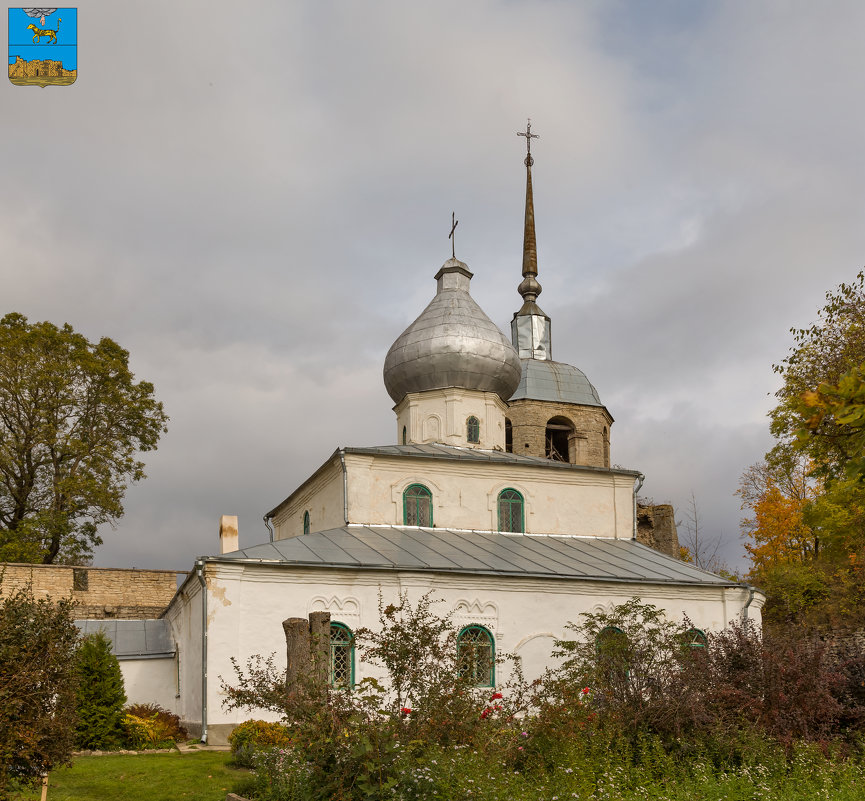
(476,656)
(511,516)
(473,429)
(341,656)
(694,640)
(417,506)
(80,579)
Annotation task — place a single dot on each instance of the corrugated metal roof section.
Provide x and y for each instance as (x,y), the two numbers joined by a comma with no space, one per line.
(440,451)
(133,639)
(555,381)
(478,553)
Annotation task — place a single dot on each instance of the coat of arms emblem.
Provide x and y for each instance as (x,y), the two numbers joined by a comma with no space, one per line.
(43,46)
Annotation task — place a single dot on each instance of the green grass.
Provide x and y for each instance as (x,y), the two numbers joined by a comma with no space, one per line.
(202,776)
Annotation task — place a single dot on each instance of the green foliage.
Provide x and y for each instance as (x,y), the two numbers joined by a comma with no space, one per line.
(256,735)
(100,696)
(817,519)
(151,726)
(37,686)
(194,776)
(352,744)
(72,419)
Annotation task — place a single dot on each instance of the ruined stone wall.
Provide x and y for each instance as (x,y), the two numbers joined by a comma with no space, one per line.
(39,67)
(590,445)
(656,527)
(98,592)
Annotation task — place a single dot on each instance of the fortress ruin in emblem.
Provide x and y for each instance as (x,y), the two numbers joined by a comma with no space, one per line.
(43,46)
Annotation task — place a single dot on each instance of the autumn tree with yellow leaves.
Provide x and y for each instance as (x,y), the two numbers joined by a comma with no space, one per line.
(805,502)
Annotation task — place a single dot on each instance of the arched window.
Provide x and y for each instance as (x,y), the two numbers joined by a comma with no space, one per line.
(509,436)
(511,516)
(612,646)
(476,655)
(404,435)
(341,656)
(417,506)
(606,447)
(473,429)
(694,640)
(306,522)
(558,437)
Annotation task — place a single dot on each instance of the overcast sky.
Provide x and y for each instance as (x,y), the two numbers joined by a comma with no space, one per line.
(253,199)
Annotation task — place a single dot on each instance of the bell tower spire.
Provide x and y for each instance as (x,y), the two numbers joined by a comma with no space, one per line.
(530,327)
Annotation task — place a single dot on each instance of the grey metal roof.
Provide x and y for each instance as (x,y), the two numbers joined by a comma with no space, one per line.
(134,639)
(555,381)
(455,452)
(477,553)
(451,344)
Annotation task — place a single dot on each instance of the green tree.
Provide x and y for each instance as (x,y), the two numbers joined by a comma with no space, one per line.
(100,697)
(37,686)
(807,498)
(821,354)
(72,419)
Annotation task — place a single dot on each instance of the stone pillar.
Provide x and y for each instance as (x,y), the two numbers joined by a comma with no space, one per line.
(297,649)
(319,638)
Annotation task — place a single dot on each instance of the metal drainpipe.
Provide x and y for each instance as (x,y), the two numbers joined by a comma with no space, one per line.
(344,485)
(752,590)
(199,571)
(637,487)
(269,527)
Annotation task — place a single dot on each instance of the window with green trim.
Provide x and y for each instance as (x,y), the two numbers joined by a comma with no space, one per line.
(473,429)
(341,656)
(476,656)
(511,517)
(417,506)
(306,522)
(404,435)
(613,649)
(694,640)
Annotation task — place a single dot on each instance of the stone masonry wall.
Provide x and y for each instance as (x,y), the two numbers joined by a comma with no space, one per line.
(98,592)
(529,420)
(656,527)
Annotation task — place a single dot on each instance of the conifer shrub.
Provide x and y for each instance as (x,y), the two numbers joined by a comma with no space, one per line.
(151,726)
(100,696)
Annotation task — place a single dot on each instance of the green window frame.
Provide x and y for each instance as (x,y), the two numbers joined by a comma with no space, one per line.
(306,522)
(341,675)
(511,511)
(473,430)
(417,507)
(476,656)
(404,435)
(695,640)
(612,647)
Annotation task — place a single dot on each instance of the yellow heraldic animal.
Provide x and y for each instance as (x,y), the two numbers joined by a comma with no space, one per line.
(38,33)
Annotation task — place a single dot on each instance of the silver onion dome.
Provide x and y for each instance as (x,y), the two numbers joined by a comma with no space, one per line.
(452,344)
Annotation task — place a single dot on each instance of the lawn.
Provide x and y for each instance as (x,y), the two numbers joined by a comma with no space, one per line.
(202,776)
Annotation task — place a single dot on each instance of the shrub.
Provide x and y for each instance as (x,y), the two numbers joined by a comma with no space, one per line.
(100,696)
(149,726)
(37,686)
(255,735)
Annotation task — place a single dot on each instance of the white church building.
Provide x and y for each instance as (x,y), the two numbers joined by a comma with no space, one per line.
(497,496)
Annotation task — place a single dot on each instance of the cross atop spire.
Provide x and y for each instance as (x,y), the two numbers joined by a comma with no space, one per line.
(529,136)
(454,223)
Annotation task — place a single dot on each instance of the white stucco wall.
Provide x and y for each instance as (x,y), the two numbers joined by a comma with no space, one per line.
(248,602)
(151,681)
(184,618)
(440,415)
(558,500)
(321,495)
